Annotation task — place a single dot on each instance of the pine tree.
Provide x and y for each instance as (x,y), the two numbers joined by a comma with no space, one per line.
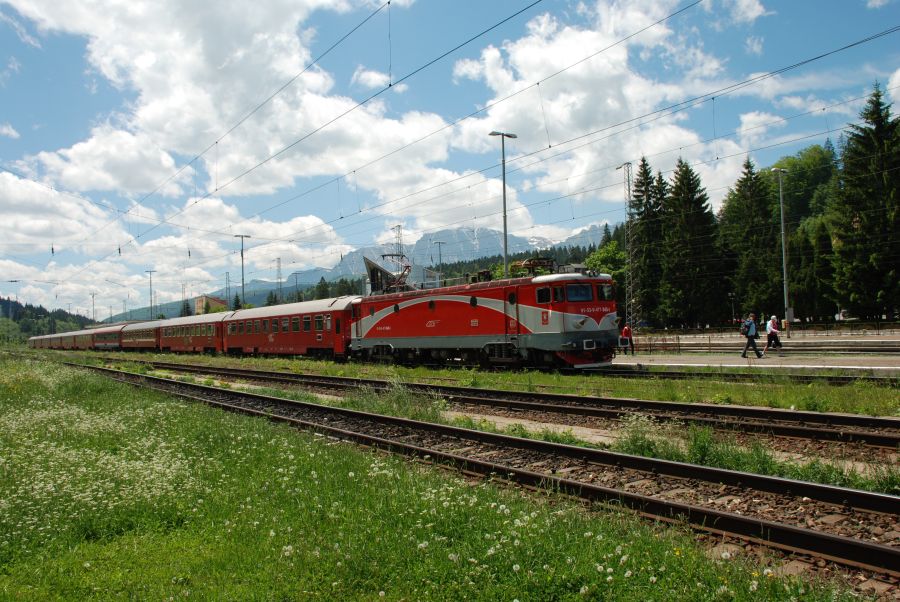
(864,216)
(646,235)
(607,235)
(271,299)
(749,238)
(236,304)
(322,289)
(689,295)
(186,309)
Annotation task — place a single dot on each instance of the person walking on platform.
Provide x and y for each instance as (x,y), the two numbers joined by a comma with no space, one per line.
(748,329)
(772,340)
(626,334)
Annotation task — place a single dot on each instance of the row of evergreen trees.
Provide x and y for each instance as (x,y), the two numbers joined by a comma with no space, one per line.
(841,213)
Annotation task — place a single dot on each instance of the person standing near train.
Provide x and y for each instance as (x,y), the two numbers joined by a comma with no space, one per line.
(772,340)
(749,330)
(628,340)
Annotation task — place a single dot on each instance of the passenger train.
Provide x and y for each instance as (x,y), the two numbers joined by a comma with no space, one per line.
(561,320)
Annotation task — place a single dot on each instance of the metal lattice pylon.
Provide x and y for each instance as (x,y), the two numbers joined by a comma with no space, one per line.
(632,305)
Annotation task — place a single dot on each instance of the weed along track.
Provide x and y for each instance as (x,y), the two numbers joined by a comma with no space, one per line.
(845,526)
(811,426)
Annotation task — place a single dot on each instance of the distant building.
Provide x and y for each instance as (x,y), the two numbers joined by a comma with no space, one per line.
(214,303)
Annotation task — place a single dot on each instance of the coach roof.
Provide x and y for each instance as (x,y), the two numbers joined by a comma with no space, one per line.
(304,307)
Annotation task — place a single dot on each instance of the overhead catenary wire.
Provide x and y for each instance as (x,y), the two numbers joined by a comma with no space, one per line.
(871,37)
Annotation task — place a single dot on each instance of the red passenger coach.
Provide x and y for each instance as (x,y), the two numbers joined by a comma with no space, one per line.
(561,319)
(314,328)
(142,336)
(203,334)
(108,338)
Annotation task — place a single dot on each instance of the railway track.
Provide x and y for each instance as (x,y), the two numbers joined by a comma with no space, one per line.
(770,376)
(848,428)
(832,523)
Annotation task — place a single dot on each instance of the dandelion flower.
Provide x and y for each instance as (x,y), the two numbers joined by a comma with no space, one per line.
(516,567)
(754,585)
(627,574)
(583,590)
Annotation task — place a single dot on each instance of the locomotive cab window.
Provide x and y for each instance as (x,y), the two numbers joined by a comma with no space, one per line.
(371,310)
(511,298)
(337,326)
(473,301)
(542,295)
(558,294)
(579,292)
(605,292)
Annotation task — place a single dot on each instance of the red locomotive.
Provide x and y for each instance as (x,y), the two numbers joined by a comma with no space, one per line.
(565,320)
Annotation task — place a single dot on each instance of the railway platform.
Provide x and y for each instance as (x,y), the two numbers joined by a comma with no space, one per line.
(887,364)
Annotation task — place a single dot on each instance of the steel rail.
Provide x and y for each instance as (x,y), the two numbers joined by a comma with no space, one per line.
(786,423)
(842,550)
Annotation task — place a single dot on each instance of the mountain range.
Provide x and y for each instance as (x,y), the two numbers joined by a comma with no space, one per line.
(425,256)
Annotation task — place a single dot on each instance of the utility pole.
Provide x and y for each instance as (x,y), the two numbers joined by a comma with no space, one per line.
(788,311)
(93,308)
(296,287)
(440,244)
(243,293)
(503,137)
(278,277)
(228,286)
(151,291)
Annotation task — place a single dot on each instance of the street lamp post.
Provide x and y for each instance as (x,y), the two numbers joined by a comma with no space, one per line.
(151,292)
(243,293)
(503,137)
(787,310)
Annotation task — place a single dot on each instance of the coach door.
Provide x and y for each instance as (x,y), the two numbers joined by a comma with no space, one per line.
(511,309)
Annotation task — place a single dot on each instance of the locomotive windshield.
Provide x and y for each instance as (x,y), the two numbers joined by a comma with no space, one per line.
(606,292)
(579,292)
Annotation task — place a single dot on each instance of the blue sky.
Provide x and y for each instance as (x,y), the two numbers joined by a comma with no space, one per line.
(103,106)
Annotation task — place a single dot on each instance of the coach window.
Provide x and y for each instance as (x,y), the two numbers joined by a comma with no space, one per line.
(284,324)
(337,326)
(256,326)
(295,324)
(327,321)
(306,323)
(543,294)
(265,326)
(275,325)
(319,323)
(579,292)
(240,327)
(558,294)
(249,326)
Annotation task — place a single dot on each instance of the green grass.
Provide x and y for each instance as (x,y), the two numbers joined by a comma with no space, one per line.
(858,398)
(111,492)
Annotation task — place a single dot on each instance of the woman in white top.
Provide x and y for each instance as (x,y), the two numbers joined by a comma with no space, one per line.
(772,339)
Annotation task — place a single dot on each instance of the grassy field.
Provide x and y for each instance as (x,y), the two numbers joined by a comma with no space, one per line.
(109,492)
(860,398)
